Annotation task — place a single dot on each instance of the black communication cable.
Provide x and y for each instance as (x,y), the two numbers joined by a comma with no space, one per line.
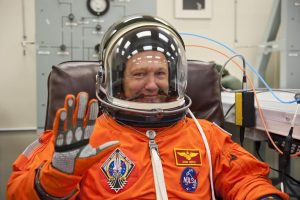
(287,183)
(244,88)
(227,112)
(257,147)
(293,192)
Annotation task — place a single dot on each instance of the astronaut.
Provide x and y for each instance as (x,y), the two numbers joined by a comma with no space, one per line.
(144,145)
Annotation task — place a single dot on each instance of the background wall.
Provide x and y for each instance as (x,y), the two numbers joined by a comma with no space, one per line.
(243,32)
(17,77)
(18,83)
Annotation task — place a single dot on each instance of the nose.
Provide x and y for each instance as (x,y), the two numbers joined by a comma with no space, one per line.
(151,83)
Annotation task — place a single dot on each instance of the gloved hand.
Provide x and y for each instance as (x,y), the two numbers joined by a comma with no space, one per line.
(73,155)
(72,129)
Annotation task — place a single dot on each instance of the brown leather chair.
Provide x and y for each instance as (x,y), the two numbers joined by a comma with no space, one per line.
(75,76)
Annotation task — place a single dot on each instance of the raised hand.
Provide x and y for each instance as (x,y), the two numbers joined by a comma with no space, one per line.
(72,128)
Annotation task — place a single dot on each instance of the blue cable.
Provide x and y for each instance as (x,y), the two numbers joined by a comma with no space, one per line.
(251,67)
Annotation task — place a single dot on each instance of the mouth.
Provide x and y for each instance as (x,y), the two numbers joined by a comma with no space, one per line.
(158,97)
(148,98)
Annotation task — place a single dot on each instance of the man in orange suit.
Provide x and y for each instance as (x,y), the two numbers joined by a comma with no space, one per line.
(143,146)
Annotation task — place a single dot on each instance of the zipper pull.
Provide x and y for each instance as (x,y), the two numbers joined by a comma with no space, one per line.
(152,144)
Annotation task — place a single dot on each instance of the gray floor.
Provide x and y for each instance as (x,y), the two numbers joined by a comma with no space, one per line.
(13,143)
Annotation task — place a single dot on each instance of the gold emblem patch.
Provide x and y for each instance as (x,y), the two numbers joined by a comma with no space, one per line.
(187,157)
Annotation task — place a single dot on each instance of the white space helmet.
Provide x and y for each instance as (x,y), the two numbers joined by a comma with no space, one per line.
(134,52)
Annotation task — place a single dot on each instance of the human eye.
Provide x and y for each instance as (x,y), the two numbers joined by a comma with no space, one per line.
(161,74)
(138,75)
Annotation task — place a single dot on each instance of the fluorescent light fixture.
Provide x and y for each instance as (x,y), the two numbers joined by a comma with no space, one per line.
(143,34)
(147,47)
(127,44)
(163,37)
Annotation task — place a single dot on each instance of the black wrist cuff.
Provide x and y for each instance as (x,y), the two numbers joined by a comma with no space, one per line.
(41,191)
(270,197)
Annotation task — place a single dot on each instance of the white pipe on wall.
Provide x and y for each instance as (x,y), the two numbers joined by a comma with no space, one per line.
(18,129)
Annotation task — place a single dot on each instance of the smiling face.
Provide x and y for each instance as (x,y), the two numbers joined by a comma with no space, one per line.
(146,77)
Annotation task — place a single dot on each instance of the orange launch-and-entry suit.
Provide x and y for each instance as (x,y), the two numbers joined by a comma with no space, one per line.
(126,172)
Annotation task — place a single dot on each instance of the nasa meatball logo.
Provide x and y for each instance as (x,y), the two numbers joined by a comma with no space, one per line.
(189,180)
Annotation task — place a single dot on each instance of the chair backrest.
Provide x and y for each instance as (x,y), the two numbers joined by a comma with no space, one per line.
(75,76)
(203,87)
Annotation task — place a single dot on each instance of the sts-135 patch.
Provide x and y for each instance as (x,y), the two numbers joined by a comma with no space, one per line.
(117,168)
(189,180)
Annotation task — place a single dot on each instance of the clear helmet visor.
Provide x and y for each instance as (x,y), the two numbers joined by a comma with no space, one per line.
(146,69)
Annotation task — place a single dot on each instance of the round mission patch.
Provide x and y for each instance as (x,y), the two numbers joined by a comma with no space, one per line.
(189,180)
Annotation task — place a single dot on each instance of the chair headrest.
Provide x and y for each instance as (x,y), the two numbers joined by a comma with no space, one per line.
(203,87)
(69,78)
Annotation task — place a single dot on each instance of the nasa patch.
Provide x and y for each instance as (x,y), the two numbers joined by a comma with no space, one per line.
(117,169)
(189,180)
